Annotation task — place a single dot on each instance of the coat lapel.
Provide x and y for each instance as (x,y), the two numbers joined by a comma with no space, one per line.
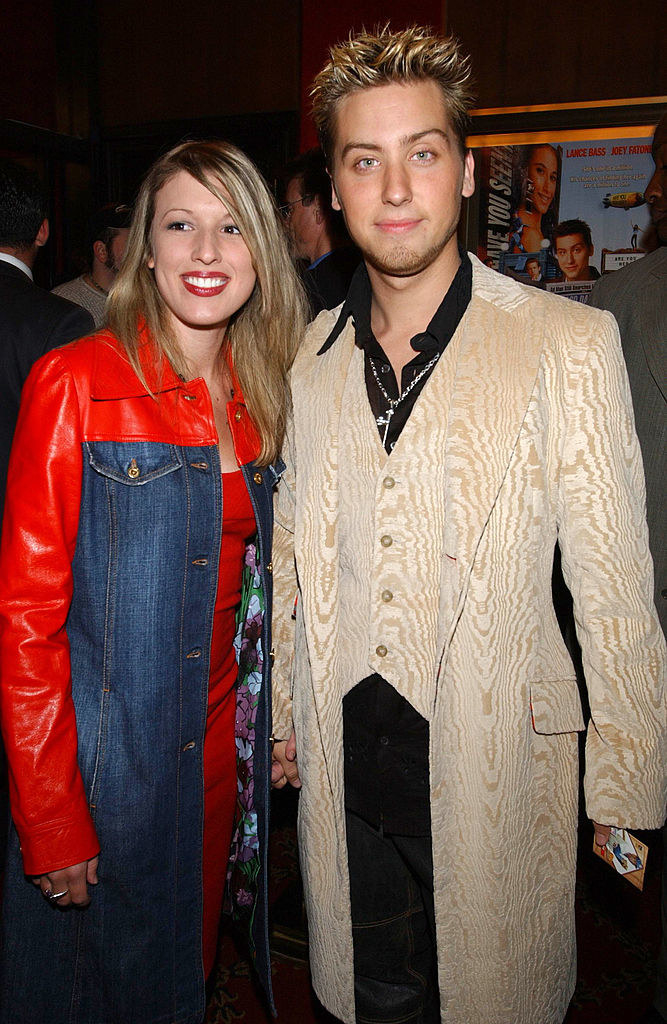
(499,355)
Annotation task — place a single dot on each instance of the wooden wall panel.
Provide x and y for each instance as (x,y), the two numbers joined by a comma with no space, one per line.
(160,62)
(28,78)
(528,52)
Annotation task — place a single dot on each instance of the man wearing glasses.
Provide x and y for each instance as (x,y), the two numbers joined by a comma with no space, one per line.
(317,232)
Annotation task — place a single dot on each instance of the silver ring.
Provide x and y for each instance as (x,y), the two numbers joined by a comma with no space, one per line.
(55,895)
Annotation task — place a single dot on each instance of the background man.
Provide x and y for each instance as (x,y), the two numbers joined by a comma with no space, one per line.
(637,296)
(434,704)
(574,247)
(107,236)
(534,271)
(317,231)
(31,320)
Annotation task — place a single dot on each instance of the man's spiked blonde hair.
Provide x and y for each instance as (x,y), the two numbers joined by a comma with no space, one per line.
(370,59)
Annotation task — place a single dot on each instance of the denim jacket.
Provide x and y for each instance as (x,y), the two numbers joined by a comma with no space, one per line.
(108,578)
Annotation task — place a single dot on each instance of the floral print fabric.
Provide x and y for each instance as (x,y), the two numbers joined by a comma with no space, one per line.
(244,860)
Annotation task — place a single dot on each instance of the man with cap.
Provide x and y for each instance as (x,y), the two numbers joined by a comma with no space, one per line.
(107,234)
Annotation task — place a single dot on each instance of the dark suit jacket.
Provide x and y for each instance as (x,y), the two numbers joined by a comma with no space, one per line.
(328,282)
(32,321)
(637,296)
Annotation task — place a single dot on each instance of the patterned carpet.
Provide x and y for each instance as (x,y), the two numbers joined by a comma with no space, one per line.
(618,934)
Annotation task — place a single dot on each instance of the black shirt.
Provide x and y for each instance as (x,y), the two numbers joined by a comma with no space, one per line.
(386,740)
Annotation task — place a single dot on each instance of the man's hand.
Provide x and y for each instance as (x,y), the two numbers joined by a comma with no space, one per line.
(72,883)
(602,833)
(284,767)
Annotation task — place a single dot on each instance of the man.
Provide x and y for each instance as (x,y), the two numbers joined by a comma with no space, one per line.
(573,245)
(637,296)
(534,270)
(31,320)
(317,232)
(450,423)
(107,235)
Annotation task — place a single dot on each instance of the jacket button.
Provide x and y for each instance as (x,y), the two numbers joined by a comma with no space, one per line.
(257,478)
(196,653)
(272,655)
(386,541)
(133,471)
(199,465)
(200,561)
(238,414)
(381,651)
(189,398)
(388,482)
(190,746)
(387,596)
(269,566)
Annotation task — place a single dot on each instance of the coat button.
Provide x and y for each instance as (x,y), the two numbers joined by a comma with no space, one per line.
(387,596)
(200,561)
(196,653)
(257,478)
(388,482)
(190,746)
(269,566)
(381,651)
(189,398)
(272,655)
(386,541)
(133,471)
(199,465)
(238,414)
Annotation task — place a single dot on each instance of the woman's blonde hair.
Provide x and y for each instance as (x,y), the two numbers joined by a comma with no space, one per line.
(264,334)
(368,59)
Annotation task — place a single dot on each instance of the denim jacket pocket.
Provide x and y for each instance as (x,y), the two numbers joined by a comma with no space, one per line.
(133,463)
(556,706)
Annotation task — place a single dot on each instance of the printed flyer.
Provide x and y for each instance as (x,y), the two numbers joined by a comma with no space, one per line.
(557,214)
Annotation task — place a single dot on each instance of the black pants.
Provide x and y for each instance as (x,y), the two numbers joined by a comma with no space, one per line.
(393,926)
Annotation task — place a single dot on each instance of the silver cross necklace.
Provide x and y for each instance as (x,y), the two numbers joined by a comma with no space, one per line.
(384,421)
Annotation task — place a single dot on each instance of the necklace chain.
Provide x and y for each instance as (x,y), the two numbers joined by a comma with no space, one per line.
(384,421)
(90,280)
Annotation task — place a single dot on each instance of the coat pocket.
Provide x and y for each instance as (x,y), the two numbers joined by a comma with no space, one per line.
(556,706)
(133,463)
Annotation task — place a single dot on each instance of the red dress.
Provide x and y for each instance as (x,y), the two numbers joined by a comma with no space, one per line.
(238,523)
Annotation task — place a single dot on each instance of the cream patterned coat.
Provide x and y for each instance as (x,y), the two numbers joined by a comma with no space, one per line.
(538,443)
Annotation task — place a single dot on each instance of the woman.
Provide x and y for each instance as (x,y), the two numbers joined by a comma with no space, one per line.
(135,581)
(534,204)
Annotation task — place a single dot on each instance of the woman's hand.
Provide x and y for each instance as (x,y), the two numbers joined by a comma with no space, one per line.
(68,887)
(284,767)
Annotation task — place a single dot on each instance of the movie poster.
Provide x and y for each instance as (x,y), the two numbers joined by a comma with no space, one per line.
(557,214)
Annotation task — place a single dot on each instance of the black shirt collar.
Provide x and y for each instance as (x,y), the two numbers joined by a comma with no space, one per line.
(439,331)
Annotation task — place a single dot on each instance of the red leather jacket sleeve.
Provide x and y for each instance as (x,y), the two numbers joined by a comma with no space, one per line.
(48,801)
